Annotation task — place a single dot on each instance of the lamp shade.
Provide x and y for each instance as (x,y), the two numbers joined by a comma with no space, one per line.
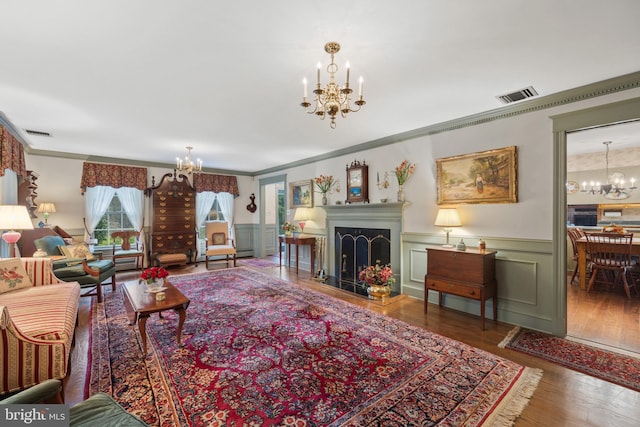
(302,214)
(15,217)
(46,207)
(448,217)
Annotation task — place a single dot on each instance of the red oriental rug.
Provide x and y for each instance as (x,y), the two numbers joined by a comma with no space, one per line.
(617,368)
(262,351)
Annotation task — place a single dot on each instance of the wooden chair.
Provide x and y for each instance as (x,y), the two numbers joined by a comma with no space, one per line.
(611,253)
(126,251)
(575,234)
(218,242)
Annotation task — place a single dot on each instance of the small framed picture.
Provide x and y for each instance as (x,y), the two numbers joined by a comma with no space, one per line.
(301,194)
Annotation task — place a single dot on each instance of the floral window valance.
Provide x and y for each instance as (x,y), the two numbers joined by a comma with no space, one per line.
(116,176)
(11,154)
(216,183)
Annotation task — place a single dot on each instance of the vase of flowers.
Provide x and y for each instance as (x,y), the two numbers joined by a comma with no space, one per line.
(154,277)
(403,172)
(288,228)
(377,279)
(325,184)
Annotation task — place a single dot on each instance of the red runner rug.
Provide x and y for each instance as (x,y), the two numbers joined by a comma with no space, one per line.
(258,350)
(258,262)
(609,366)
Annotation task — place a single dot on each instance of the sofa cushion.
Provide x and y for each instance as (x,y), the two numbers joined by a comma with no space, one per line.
(13,276)
(74,268)
(53,320)
(49,244)
(77,250)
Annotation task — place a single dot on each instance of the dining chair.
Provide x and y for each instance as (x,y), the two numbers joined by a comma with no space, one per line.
(611,255)
(575,234)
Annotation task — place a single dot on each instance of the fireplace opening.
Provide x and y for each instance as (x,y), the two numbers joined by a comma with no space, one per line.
(358,248)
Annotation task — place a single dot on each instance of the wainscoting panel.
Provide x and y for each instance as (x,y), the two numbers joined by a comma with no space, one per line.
(524,271)
(245,239)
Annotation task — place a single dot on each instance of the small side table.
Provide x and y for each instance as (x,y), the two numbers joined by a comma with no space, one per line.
(300,240)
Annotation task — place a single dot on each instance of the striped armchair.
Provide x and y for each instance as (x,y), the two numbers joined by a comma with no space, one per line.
(37,324)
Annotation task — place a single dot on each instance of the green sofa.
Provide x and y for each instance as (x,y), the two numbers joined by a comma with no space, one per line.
(89,274)
(98,410)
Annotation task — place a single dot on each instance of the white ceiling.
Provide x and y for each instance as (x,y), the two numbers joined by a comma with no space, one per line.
(143,79)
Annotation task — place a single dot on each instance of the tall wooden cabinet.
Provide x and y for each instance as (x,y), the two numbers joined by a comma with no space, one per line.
(173,217)
(469,274)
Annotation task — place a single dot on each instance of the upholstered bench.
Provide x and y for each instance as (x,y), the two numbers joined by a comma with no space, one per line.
(166,260)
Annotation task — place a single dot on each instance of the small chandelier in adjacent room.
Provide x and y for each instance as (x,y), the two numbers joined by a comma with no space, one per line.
(615,187)
(187,165)
(333,99)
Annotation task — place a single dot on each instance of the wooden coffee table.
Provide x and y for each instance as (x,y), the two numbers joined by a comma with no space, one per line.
(141,304)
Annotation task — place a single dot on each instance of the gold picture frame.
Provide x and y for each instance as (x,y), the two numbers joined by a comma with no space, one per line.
(482,177)
(301,194)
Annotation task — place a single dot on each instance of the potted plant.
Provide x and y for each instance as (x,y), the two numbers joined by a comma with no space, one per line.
(325,184)
(377,280)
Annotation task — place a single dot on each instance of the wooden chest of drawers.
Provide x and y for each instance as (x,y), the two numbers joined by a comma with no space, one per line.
(173,226)
(469,274)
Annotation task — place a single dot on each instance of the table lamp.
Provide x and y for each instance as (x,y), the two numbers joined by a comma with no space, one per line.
(12,218)
(447,218)
(46,208)
(302,215)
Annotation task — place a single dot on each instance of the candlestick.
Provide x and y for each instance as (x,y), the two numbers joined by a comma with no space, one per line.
(304,82)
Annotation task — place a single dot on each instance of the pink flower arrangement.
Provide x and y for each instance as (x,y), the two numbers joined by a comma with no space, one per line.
(152,274)
(404,170)
(377,275)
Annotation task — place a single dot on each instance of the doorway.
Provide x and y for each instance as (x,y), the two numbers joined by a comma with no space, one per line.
(604,316)
(272,213)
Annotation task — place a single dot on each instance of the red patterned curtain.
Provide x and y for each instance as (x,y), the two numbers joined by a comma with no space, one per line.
(115,176)
(216,183)
(11,154)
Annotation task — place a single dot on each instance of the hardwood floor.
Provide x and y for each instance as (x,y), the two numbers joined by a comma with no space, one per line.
(563,398)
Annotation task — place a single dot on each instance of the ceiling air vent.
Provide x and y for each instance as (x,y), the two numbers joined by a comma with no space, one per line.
(519,95)
(37,132)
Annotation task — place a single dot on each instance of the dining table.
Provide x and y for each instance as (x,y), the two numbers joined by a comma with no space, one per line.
(581,245)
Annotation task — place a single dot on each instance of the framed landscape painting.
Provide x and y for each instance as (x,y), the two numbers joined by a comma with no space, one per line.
(483,177)
(301,194)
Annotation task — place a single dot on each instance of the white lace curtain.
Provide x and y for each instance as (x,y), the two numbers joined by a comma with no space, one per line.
(204,203)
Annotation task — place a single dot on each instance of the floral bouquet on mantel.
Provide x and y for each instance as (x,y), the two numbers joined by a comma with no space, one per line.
(325,183)
(153,274)
(404,171)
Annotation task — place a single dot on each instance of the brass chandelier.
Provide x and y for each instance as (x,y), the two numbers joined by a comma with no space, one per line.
(188,165)
(333,99)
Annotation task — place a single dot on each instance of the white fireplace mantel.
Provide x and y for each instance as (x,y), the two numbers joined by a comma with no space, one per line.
(366,215)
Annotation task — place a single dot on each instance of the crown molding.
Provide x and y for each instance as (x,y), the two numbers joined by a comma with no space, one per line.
(593,90)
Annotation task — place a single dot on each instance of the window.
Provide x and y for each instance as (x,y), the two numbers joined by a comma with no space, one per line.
(215,214)
(115,219)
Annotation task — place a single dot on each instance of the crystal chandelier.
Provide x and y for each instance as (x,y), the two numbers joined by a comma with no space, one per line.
(615,186)
(187,165)
(333,99)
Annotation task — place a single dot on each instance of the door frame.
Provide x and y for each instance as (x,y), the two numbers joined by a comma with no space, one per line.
(262,251)
(616,112)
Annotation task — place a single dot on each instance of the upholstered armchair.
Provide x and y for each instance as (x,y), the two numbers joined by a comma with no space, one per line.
(218,242)
(98,410)
(75,263)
